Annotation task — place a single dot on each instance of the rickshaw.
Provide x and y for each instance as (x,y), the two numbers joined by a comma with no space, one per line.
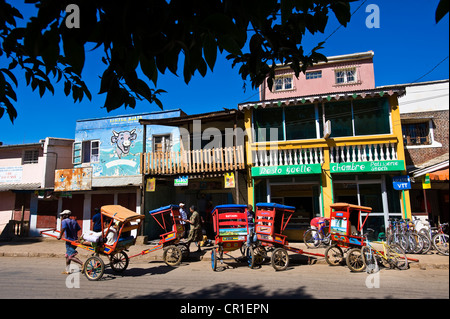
(271,220)
(127,220)
(230,228)
(169,219)
(346,227)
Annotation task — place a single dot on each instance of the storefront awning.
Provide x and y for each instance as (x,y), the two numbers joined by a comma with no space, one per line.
(441,175)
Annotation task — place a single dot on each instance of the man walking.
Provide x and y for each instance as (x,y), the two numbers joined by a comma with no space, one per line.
(70,228)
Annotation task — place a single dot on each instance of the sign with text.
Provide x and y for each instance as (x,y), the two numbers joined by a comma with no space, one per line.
(401,183)
(286,170)
(367,167)
(426,181)
(181,181)
(11,174)
(73,179)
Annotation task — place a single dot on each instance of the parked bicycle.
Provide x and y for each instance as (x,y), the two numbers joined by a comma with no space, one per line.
(392,255)
(436,235)
(314,239)
(440,240)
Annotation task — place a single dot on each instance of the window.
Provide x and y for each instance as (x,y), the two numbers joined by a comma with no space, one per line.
(283,83)
(86,152)
(340,115)
(30,157)
(267,122)
(357,117)
(416,133)
(161,143)
(300,122)
(313,75)
(371,116)
(344,76)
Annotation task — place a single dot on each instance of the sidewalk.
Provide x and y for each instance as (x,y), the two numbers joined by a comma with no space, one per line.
(50,247)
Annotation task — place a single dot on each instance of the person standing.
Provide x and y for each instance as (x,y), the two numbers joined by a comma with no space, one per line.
(97,220)
(195,232)
(70,228)
(251,224)
(183,218)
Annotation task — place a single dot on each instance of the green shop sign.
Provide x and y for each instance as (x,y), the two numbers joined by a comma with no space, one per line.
(367,167)
(286,170)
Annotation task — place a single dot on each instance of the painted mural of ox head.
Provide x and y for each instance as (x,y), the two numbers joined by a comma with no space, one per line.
(123,140)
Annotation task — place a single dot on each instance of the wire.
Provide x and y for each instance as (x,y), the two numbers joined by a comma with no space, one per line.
(430,70)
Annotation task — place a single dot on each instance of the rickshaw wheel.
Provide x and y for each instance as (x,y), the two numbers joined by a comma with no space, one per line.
(250,257)
(260,255)
(280,259)
(355,260)
(172,255)
(184,250)
(119,261)
(334,255)
(94,268)
(214,259)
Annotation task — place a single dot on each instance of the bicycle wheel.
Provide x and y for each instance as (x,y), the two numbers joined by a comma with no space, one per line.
(310,238)
(397,257)
(280,259)
(334,255)
(426,244)
(440,242)
(418,243)
(94,268)
(119,261)
(411,248)
(354,260)
(369,259)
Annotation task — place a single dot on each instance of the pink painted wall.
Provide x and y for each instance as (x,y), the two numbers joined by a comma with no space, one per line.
(327,83)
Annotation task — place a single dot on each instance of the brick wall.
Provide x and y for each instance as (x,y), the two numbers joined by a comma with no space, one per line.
(440,120)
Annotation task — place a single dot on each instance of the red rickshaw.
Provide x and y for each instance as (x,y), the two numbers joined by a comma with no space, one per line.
(346,225)
(271,220)
(230,228)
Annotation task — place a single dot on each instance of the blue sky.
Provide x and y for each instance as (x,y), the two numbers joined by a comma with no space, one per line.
(407,45)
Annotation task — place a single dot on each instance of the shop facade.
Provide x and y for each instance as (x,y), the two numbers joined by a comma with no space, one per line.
(312,151)
(205,169)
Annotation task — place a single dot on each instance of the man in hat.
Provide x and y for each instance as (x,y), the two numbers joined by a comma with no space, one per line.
(195,233)
(70,228)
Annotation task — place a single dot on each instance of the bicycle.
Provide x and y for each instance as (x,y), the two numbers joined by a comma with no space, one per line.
(392,255)
(440,240)
(312,238)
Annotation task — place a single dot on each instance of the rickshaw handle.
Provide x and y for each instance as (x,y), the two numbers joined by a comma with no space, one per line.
(54,236)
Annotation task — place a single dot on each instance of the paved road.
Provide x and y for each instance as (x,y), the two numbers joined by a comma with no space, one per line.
(41,278)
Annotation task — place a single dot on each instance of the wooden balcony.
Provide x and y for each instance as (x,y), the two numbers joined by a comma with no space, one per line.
(193,161)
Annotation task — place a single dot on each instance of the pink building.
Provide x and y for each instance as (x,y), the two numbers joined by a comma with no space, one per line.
(342,73)
(27,176)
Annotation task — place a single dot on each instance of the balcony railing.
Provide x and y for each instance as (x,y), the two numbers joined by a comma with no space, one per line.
(363,153)
(193,161)
(288,157)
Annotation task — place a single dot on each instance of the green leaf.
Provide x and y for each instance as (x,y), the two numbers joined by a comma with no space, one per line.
(74,52)
(442,9)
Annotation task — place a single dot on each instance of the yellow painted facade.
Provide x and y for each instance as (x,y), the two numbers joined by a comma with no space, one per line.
(326,145)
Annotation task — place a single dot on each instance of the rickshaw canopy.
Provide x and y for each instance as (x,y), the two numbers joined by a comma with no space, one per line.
(345,206)
(120,213)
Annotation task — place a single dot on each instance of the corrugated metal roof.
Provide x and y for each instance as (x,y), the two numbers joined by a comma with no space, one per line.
(4,187)
(116,181)
(331,96)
